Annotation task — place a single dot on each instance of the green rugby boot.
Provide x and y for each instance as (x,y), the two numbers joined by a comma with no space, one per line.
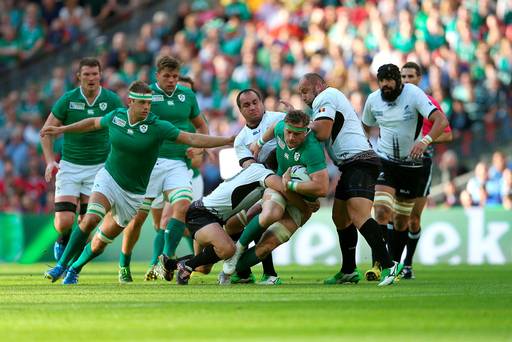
(344,278)
(125,276)
(270,280)
(235,279)
(390,275)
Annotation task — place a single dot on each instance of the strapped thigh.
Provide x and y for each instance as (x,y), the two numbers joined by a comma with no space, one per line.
(403,208)
(280,231)
(180,194)
(96,209)
(65,206)
(384,199)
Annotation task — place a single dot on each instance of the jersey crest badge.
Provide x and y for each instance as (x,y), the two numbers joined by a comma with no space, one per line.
(77,105)
(296,156)
(119,122)
(181,97)
(103,106)
(143,128)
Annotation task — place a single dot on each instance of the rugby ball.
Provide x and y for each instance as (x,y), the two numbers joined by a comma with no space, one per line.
(299,174)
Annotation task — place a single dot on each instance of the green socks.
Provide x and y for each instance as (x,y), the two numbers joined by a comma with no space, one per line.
(252,230)
(173,234)
(75,245)
(158,246)
(247,260)
(86,256)
(124,260)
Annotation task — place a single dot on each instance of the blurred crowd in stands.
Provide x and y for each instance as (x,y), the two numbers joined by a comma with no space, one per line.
(464,48)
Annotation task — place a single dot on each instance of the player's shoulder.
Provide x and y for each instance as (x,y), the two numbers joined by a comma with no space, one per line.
(72,94)
(413,89)
(180,89)
(328,95)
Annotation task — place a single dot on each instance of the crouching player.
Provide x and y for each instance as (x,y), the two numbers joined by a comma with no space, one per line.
(205,218)
(296,145)
(136,135)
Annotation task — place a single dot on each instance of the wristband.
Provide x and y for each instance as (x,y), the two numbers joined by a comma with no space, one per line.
(292,185)
(260,142)
(427,140)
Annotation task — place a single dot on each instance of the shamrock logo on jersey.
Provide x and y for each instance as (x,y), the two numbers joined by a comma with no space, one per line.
(181,97)
(296,156)
(103,106)
(143,128)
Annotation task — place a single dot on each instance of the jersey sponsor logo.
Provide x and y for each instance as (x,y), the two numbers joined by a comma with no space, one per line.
(90,111)
(103,106)
(129,131)
(143,128)
(296,156)
(181,97)
(157,98)
(286,155)
(256,132)
(118,121)
(377,113)
(77,105)
(408,114)
(170,102)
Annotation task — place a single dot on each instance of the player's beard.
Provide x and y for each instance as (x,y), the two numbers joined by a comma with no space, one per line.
(391,96)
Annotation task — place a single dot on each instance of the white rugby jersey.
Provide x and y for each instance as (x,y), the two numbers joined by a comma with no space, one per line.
(347,136)
(400,121)
(248,135)
(238,192)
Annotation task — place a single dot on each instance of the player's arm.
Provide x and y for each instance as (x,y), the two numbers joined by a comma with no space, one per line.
(196,154)
(47,145)
(265,137)
(439,124)
(445,137)
(202,140)
(242,151)
(322,128)
(318,186)
(85,125)
(368,120)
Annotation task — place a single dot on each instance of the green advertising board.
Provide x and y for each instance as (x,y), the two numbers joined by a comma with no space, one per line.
(450,236)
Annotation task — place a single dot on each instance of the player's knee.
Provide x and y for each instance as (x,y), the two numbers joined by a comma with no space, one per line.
(89,222)
(340,220)
(63,223)
(204,269)
(382,214)
(98,245)
(401,223)
(414,223)
(225,250)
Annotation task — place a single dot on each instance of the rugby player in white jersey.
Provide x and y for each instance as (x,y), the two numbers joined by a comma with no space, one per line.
(336,122)
(398,110)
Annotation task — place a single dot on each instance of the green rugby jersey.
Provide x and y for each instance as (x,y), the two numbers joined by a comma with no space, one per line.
(310,154)
(135,148)
(177,108)
(88,148)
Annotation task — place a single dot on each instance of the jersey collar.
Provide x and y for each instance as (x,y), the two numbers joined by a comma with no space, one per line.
(96,98)
(136,123)
(163,91)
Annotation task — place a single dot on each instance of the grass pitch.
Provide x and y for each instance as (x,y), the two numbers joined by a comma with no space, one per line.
(443,303)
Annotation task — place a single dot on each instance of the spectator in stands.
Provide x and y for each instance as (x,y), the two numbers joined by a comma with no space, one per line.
(31,32)
(9,47)
(476,187)
(506,189)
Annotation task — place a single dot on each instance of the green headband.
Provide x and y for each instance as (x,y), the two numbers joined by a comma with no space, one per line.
(295,129)
(140,96)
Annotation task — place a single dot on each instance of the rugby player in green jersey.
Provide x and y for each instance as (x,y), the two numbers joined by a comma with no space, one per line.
(296,145)
(83,154)
(171,176)
(119,188)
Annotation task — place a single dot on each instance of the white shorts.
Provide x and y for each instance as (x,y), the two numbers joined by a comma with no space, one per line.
(168,174)
(124,204)
(197,192)
(73,179)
